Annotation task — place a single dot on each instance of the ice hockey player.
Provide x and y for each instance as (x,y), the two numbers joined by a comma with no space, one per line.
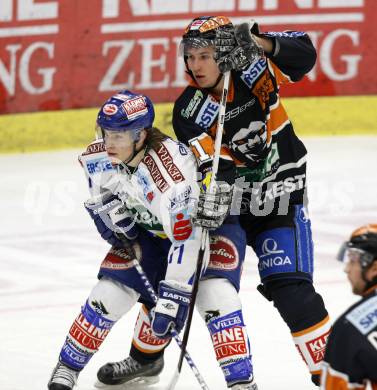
(143,208)
(351,355)
(261,156)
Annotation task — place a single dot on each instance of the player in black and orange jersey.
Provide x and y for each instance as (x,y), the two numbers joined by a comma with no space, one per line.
(261,158)
(351,354)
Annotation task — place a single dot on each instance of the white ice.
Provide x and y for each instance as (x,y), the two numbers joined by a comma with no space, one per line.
(50,253)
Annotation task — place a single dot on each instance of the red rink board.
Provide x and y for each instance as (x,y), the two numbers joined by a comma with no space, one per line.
(71,54)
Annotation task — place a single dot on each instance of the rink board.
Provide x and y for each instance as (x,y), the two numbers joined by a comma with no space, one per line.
(75,128)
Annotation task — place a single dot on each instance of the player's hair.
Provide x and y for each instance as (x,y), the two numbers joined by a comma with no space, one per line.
(155,137)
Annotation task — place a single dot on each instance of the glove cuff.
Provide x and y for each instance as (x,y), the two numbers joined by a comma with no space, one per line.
(175,285)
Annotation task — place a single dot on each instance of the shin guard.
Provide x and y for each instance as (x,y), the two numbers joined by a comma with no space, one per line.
(231,345)
(145,345)
(311,344)
(85,337)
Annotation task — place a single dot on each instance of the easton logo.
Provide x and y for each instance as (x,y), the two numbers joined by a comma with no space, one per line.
(167,161)
(156,174)
(317,346)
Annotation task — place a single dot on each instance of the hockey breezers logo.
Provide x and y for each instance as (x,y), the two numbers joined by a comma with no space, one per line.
(272,256)
(317,347)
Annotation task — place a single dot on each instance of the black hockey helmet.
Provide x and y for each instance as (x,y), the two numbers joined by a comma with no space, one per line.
(201,32)
(363,241)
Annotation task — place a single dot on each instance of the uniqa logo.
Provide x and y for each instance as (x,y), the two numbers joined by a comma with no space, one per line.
(269,247)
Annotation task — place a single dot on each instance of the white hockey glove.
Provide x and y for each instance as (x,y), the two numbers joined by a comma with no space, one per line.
(213,205)
(112,220)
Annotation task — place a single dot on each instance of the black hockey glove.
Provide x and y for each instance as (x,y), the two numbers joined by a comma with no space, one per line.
(237,49)
(228,54)
(245,34)
(213,204)
(236,60)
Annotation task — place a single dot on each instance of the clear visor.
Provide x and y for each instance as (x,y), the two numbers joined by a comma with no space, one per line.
(117,135)
(193,43)
(347,254)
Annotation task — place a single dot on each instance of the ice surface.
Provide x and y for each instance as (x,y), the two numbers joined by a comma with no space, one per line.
(50,253)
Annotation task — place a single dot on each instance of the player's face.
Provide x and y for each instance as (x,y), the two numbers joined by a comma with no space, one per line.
(354,272)
(203,66)
(119,145)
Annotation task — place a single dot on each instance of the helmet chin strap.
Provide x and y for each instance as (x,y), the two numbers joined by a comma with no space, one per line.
(216,83)
(368,283)
(134,152)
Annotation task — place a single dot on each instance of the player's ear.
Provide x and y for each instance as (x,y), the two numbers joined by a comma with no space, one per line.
(142,137)
(372,270)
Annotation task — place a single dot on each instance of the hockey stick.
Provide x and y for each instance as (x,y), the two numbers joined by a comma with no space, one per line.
(176,337)
(204,237)
(154,297)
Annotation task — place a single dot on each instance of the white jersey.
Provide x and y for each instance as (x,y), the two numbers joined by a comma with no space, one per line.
(160,194)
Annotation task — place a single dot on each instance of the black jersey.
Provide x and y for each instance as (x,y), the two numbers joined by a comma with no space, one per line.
(259,142)
(351,353)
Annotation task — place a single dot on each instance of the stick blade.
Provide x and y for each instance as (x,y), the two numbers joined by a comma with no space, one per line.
(174,380)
